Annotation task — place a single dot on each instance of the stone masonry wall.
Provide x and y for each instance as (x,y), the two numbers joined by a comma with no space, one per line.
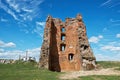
(67,49)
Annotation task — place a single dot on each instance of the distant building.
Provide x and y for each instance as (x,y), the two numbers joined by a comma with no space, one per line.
(65,46)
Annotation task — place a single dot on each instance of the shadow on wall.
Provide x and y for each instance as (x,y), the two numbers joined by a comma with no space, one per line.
(53,55)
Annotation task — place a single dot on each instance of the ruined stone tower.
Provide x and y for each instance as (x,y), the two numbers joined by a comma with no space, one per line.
(65,46)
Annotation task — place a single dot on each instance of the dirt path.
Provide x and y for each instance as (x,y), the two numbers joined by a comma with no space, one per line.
(72,75)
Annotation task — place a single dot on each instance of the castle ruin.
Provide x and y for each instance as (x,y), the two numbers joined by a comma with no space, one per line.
(65,46)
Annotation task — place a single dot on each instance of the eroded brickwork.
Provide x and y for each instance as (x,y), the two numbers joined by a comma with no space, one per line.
(65,46)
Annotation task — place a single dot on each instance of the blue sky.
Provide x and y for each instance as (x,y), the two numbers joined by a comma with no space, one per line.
(22,25)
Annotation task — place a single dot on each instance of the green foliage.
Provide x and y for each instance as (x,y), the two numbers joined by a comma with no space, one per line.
(108,64)
(25,71)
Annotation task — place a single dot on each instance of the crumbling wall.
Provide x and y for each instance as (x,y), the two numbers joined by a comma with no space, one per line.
(77,55)
(44,50)
(88,59)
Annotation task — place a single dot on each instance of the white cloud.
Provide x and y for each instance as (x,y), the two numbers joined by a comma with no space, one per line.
(111,48)
(101,57)
(110,3)
(27,8)
(13,5)
(11,54)
(9,11)
(118,35)
(9,44)
(1,50)
(39,28)
(41,24)
(109,52)
(34,53)
(14,54)
(100,36)
(104,57)
(3,20)
(111,20)
(106,2)
(113,43)
(95,39)
(34,50)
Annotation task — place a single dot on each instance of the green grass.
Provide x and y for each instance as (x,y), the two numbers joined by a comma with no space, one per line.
(29,71)
(25,71)
(101,77)
(108,64)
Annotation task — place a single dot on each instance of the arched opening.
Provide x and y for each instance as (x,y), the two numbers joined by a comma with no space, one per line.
(70,56)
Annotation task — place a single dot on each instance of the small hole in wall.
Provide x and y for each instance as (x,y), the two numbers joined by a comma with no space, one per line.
(84,47)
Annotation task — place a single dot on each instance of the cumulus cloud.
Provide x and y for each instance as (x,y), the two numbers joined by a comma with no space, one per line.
(21,10)
(118,35)
(95,39)
(9,44)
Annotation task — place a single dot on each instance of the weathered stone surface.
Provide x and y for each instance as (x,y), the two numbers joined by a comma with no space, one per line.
(65,46)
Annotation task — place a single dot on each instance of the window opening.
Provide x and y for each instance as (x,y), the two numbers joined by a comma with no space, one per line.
(62,37)
(63,29)
(62,47)
(70,57)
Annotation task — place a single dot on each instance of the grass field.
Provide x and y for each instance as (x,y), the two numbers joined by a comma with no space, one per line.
(25,71)
(109,64)
(102,77)
(29,71)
